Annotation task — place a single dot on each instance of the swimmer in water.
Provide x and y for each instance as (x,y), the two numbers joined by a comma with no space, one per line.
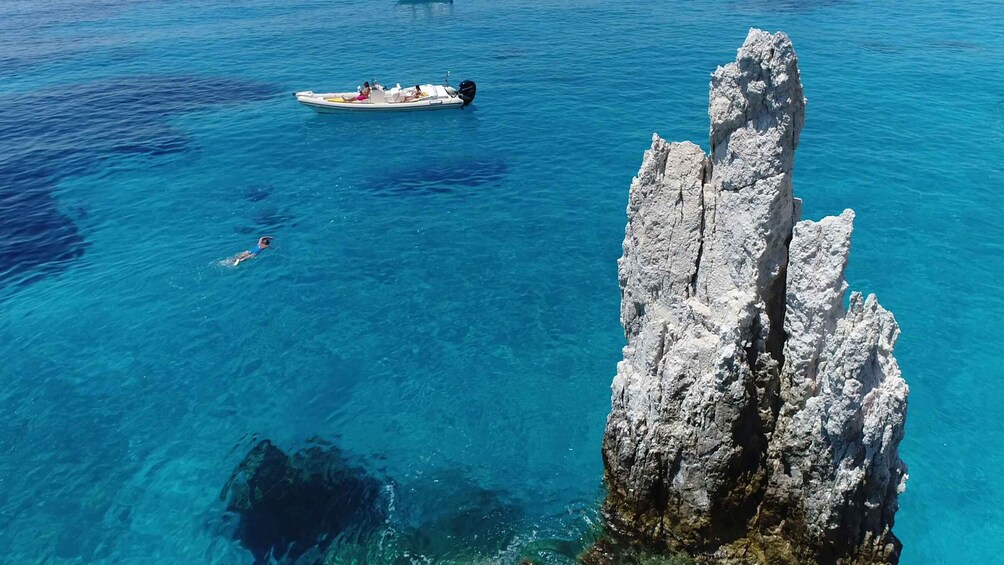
(263,243)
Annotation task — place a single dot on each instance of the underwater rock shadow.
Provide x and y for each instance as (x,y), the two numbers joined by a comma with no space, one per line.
(449,518)
(290,508)
(442,178)
(257,192)
(39,240)
(788,6)
(56,133)
(267,219)
(262,217)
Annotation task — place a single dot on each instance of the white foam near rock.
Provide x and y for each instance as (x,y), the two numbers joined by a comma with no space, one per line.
(752,414)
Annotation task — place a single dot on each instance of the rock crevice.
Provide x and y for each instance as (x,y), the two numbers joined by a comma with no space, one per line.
(752,414)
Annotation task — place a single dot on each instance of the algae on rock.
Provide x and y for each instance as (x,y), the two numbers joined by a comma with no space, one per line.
(754,418)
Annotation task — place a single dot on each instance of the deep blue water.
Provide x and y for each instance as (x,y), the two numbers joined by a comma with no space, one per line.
(441,302)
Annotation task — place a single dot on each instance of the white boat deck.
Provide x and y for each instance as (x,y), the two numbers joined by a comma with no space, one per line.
(433,97)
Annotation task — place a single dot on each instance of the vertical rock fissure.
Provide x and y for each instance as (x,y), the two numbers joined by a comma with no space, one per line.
(776,304)
(705,177)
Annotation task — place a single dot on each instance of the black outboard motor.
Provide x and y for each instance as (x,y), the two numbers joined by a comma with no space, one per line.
(467,91)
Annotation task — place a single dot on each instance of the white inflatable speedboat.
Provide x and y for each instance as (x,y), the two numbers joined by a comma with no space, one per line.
(428,97)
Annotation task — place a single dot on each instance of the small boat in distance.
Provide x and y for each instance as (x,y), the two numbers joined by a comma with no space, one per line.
(380,99)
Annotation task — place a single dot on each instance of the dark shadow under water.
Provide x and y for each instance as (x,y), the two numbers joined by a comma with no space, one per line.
(438,178)
(56,133)
(290,508)
(317,506)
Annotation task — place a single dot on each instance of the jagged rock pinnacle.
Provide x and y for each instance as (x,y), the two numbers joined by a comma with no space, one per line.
(754,418)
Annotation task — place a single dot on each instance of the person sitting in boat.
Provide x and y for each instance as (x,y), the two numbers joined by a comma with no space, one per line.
(418,94)
(263,243)
(363,94)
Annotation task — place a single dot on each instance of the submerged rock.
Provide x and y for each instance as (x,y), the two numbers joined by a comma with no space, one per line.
(291,508)
(754,418)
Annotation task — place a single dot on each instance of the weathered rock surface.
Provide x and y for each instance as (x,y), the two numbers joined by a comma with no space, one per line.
(754,418)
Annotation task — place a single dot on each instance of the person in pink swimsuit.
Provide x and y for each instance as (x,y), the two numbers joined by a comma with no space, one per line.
(363,94)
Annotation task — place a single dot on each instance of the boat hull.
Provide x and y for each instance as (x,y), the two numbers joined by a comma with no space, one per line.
(320,104)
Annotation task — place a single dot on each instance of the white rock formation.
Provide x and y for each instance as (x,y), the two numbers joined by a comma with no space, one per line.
(753,417)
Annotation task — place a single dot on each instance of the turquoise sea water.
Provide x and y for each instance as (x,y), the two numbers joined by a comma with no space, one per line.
(441,301)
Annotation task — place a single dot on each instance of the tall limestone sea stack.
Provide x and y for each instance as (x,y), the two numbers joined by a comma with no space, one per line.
(755,418)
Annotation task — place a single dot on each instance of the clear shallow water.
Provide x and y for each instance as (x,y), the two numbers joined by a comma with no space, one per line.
(442,300)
